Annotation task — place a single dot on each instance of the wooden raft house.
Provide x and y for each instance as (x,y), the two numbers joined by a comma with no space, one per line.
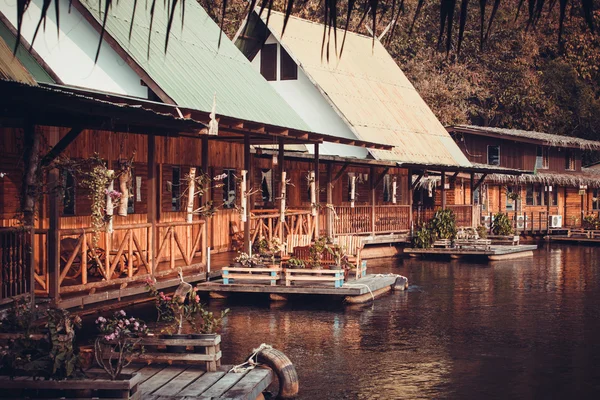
(555,199)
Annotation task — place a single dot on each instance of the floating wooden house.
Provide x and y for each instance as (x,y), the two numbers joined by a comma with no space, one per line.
(362,95)
(156,123)
(557,195)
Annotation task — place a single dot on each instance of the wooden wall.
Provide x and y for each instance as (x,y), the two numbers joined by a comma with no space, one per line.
(514,154)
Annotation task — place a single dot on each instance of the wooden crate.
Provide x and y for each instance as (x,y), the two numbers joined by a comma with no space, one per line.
(203,351)
(272,274)
(314,275)
(94,386)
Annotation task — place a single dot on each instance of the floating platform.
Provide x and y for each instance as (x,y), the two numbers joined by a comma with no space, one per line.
(369,286)
(493,253)
(178,382)
(574,239)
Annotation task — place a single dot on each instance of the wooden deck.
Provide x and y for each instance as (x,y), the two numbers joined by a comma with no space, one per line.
(494,252)
(179,382)
(369,283)
(574,239)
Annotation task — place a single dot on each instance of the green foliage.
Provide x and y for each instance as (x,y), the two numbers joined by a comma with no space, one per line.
(591,221)
(316,251)
(294,262)
(19,317)
(482,231)
(422,238)
(63,353)
(443,224)
(501,225)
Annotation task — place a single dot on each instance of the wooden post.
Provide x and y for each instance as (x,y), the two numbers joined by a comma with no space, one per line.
(206,197)
(54,237)
(394,190)
(352,190)
(443,190)
(372,180)
(152,201)
(329,211)
(282,188)
(123,187)
(410,200)
(472,186)
(316,186)
(247,162)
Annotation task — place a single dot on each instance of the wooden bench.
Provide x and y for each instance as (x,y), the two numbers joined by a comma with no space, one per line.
(510,240)
(588,233)
(303,253)
(293,241)
(443,243)
(251,274)
(352,245)
(474,243)
(314,275)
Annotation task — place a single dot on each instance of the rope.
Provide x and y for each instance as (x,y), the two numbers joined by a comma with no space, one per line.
(363,285)
(251,362)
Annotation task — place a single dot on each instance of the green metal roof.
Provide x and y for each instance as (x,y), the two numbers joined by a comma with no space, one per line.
(194,67)
(28,61)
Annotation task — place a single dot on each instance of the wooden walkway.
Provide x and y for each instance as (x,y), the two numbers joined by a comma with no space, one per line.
(179,382)
(369,283)
(494,252)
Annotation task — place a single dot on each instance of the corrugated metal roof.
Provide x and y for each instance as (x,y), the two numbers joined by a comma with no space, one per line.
(547,138)
(371,93)
(194,68)
(24,56)
(11,68)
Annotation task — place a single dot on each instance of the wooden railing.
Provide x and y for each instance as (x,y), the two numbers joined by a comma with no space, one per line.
(126,254)
(359,220)
(348,220)
(462,212)
(170,242)
(15,254)
(267,224)
(392,218)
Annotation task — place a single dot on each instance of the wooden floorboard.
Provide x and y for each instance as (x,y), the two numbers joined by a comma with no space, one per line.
(200,386)
(251,385)
(160,379)
(224,384)
(180,382)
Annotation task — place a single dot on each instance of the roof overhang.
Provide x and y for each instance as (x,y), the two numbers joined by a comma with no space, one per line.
(477,169)
(523,139)
(21,104)
(230,129)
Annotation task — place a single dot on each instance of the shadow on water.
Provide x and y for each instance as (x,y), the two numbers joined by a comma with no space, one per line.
(526,328)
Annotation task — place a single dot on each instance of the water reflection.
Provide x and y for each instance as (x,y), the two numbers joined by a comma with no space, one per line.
(510,329)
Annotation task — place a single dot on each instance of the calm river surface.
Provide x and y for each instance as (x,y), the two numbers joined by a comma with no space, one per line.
(513,329)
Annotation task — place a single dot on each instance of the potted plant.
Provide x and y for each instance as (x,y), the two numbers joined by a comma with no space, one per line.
(295,263)
(501,225)
(247,261)
(205,324)
(118,342)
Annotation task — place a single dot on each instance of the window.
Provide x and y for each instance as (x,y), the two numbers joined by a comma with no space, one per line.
(387,189)
(350,176)
(510,203)
(266,185)
(68,181)
(268,62)
(550,196)
(569,160)
(229,192)
(176,189)
(542,159)
(596,199)
(493,155)
(289,69)
(529,195)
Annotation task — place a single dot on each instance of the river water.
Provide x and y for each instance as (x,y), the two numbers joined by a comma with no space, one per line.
(519,329)
(513,329)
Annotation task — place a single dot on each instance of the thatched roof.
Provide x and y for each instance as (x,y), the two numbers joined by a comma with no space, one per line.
(544,138)
(587,178)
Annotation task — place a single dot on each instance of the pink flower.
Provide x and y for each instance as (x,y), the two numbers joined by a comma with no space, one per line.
(197,299)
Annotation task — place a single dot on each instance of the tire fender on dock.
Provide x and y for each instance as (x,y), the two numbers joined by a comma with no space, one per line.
(401,283)
(285,370)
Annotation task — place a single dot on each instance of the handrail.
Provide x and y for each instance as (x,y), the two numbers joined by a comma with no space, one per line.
(78,231)
(180,223)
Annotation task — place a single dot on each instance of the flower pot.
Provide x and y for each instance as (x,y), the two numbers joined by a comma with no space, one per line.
(175,348)
(236,264)
(205,336)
